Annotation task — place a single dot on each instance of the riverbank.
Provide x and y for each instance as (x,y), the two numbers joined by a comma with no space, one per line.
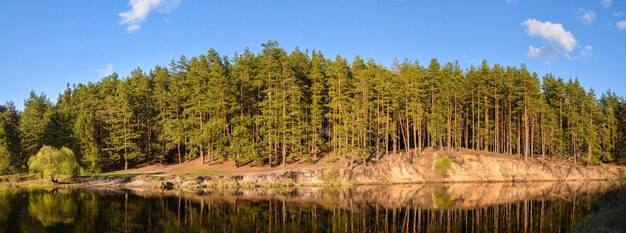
(460,166)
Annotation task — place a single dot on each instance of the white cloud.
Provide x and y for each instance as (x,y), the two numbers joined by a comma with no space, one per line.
(619,13)
(585,53)
(140,9)
(106,71)
(606,3)
(559,40)
(545,51)
(621,25)
(586,16)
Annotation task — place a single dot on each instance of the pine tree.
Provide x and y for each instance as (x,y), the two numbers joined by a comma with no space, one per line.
(221,98)
(361,108)
(85,134)
(245,138)
(317,105)
(437,104)
(277,107)
(161,78)
(174,127)
(123,138)
(339,88)
(10,138)
(32,126)
(607,124)
(270,72)
(413,86)
(590,116)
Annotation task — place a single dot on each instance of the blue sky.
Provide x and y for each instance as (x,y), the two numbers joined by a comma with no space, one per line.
(46,44)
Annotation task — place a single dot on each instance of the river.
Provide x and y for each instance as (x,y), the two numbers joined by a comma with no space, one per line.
(479,207)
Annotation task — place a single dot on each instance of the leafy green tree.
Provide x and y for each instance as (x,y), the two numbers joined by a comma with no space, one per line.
(54,164)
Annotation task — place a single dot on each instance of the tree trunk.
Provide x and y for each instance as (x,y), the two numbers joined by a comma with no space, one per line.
(496,142)
(485,146)
(201,154)
(543,139)
(449,139)
(526,146)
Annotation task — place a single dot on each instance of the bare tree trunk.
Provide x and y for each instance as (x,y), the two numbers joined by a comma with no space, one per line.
(449,140)
(485,146)
(590,144)
(496,143)
(525,119)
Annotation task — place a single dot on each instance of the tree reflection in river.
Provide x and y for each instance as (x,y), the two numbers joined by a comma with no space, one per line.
(532,207)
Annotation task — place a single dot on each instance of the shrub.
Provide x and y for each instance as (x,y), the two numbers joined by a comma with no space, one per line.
(55,164)
(443,165)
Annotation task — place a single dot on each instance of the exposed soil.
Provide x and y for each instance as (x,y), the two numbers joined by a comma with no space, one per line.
(464,166)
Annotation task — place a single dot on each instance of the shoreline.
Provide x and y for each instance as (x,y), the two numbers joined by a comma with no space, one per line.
(459,167)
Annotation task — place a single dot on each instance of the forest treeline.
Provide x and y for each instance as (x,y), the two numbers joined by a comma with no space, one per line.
(275,107)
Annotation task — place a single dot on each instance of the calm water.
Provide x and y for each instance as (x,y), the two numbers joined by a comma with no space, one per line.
(534,207)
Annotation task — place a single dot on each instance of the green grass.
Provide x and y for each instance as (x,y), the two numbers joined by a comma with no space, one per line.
(19,177)
(443,165)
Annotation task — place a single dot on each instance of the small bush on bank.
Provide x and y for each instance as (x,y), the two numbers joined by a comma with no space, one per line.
(443,165)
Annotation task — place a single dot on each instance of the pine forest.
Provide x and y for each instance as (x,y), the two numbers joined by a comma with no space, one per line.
(275,107)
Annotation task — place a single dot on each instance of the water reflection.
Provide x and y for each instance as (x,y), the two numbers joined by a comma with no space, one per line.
(497,207)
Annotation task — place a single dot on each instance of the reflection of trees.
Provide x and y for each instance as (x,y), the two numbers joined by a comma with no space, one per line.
(122,211)
(5,208)
(52,208)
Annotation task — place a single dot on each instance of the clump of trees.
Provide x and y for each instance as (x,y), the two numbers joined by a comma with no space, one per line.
(275,107)
(5,165)
(55,164)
